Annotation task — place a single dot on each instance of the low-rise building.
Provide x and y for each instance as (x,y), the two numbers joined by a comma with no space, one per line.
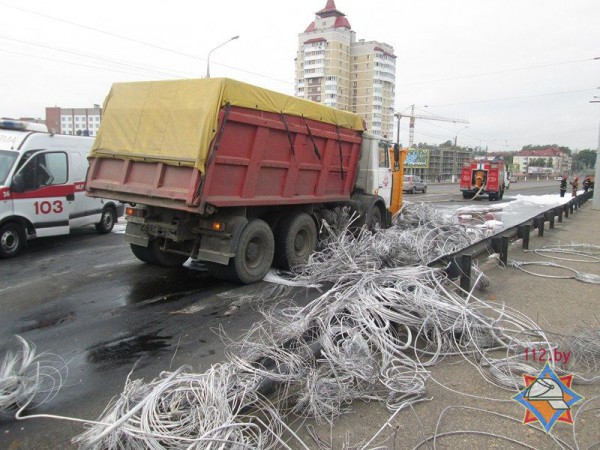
(74,121)
(550,161)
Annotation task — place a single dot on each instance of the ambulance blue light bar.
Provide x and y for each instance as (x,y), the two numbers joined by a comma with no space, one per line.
(21,125)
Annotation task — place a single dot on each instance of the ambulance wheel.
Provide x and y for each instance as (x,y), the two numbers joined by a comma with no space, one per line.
(162,258)
(295,240)
(12,240)
(254,255)
(107,221)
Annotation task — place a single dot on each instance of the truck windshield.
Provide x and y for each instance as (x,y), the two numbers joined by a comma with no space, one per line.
(7,159)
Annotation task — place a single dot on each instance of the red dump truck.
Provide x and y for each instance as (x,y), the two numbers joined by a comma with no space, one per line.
(484,177)
(234,175)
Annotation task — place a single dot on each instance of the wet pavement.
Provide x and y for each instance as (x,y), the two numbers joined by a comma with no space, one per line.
(87,299)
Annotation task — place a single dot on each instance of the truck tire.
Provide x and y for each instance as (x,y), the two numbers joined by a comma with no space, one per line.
(295,240)
(374,218)
(12,240)
(162,258)
(143,254)
(107,221)
(254,254)
(492,197)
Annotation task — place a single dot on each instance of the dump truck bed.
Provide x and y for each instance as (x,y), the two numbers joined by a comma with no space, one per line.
(255,155)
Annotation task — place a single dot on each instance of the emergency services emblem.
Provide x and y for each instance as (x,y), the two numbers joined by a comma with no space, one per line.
(548,398)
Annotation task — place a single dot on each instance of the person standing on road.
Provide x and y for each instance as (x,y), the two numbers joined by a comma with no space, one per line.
(587,184)
(563,186)
(575,184)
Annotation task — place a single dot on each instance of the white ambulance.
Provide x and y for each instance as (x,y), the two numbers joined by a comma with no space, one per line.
(42,178)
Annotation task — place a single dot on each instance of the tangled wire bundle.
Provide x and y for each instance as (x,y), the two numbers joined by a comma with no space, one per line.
(28,380)
(382,317)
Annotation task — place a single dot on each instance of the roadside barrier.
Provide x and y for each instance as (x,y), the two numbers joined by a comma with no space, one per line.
(455,264)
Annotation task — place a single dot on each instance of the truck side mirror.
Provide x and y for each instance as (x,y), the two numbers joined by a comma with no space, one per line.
(396,157)
(18,184)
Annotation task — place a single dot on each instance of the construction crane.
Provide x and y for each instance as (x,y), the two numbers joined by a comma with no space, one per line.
(412,116)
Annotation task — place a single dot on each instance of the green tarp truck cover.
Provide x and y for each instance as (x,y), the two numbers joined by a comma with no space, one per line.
(174,122)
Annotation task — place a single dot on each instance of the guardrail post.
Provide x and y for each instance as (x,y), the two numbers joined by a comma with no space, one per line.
(523,233)
(575,203)
(559,213)
(466,261)
(540,225)
(504,250)
(566,210)
(500,246)
(550,217)
(570,206)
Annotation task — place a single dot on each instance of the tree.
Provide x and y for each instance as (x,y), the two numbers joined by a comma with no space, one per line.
(584,160)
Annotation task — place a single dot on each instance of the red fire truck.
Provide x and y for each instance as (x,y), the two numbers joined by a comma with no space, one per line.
(483,177)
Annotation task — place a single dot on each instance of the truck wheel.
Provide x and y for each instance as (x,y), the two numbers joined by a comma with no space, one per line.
(143,254)
(295,240)
(492,197)
(12,240)
(374,218)
(467,195)
(162,258)
(254,254)
(424,189)
(107,221)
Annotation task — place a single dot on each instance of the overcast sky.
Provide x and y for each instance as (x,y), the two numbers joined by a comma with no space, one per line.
(521,71)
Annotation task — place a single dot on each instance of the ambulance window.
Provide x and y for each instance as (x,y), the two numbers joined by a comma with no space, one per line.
(45,169)
(57,165)
(7,160)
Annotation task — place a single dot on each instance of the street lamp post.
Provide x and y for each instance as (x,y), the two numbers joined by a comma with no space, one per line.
(209,53)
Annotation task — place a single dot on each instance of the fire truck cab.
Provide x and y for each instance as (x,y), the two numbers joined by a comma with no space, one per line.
(483,177)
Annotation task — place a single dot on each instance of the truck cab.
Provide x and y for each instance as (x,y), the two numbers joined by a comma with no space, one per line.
(42,178)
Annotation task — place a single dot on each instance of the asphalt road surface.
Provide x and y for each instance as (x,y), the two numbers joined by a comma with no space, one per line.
(86,298)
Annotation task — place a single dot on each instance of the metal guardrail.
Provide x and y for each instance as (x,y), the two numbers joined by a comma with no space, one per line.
(458,264)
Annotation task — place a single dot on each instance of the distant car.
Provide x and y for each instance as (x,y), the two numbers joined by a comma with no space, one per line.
(513,179)
(559,178)
(414,184)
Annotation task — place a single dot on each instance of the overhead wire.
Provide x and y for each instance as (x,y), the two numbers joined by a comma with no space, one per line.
(98,58)
(484,74)
(138,41)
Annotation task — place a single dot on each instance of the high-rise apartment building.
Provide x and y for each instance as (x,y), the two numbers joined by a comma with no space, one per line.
(333,68)
(75,121)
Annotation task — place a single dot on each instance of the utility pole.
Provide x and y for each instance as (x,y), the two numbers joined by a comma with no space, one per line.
(596,198)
